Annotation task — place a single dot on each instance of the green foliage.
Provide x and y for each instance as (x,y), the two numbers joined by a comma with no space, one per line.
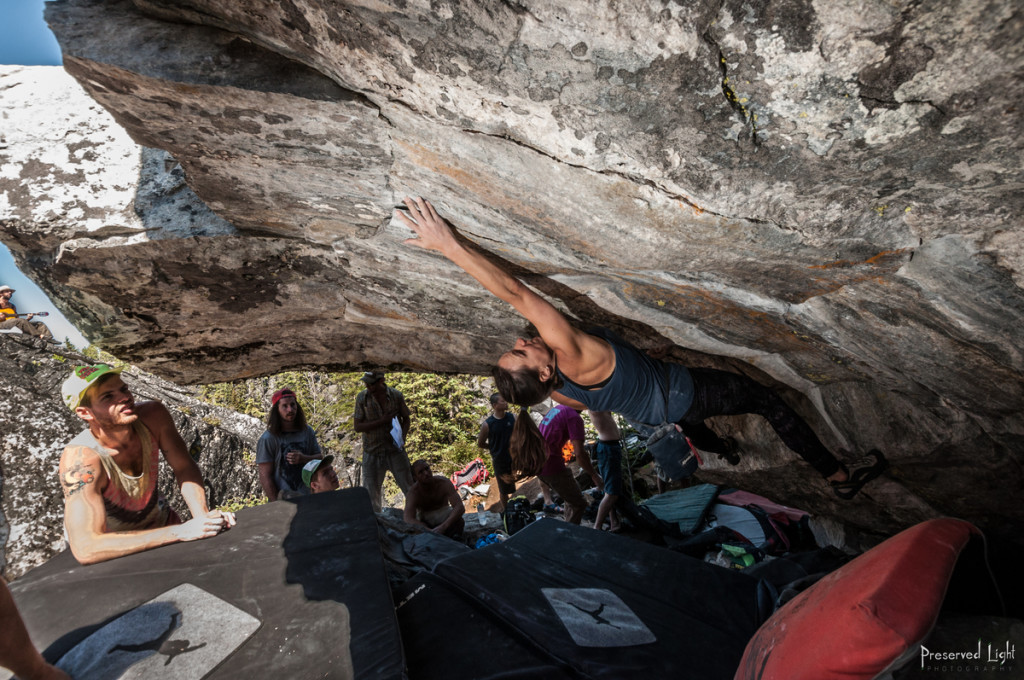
(446,410)
(446,414)
(98,356)
(236,504)
(244,396)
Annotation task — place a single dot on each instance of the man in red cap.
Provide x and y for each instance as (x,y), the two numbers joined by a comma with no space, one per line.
(287,445)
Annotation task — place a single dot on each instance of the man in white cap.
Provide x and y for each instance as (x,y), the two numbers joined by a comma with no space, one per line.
(9,318)
(109,473)
(319,475)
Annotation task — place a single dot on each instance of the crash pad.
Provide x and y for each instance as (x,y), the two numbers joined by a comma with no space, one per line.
(860,620)
(562,601)
(684,509)
(297,589)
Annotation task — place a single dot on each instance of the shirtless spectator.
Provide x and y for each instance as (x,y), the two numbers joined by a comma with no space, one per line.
(319,475)
(109,473)
(433,502)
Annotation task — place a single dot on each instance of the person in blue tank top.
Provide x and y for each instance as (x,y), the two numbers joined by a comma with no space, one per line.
(598,371)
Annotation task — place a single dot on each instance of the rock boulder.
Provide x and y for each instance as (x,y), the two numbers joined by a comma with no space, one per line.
(823,195)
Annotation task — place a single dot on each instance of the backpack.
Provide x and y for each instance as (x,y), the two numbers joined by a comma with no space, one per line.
(474,473)
(782,533)
(517,514)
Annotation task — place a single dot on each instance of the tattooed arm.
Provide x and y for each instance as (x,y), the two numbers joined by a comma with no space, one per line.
(82,479)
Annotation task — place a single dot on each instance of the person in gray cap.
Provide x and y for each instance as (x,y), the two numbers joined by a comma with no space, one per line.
(9,318)
(319,475)
(377,407)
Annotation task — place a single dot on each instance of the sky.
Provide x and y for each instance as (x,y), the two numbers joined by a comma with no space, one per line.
(28,297)
(26,39)
(24,36)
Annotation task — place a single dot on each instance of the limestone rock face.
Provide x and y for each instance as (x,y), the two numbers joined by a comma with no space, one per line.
(38,425)
(823,195)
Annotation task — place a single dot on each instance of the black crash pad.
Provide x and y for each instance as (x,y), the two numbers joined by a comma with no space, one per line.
(296,590)
(562,601)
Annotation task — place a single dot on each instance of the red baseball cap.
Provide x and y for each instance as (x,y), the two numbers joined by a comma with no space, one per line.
(286,392)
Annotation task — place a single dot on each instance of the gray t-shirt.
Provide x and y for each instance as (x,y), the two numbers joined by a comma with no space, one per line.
(272,449)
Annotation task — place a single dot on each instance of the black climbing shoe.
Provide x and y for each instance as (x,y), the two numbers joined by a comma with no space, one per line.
(874,465)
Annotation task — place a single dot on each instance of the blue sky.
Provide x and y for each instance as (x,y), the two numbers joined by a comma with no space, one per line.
(26,39)
(28,297)
(24,36)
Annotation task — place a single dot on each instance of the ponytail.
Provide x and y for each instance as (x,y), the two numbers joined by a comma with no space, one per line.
(524,386)
(527,446)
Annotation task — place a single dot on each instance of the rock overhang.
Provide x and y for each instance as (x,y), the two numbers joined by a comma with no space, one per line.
(820,196)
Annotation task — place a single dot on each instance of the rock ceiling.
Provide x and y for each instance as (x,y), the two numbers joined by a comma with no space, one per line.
(824,195)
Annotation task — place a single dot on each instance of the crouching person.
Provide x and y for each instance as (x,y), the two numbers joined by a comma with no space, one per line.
(109,473)
(319,475)
(433,502)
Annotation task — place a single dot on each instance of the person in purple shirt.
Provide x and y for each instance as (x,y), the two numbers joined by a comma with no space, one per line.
(560,425)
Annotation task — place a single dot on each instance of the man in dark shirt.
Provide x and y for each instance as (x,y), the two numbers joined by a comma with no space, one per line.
(287,445)
(495,433)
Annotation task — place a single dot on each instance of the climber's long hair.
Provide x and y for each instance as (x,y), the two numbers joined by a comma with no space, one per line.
(525,388)
(526,446)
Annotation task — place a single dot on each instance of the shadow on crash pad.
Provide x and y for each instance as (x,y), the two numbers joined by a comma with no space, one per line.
(296,589)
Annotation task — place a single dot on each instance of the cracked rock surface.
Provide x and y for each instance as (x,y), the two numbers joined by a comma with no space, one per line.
(823,195)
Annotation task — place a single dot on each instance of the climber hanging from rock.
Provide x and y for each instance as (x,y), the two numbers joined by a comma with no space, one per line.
(598,370)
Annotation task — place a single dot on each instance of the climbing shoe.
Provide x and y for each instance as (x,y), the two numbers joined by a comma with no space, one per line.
(873,465)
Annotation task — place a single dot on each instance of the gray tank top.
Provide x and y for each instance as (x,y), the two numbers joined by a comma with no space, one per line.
(636,387)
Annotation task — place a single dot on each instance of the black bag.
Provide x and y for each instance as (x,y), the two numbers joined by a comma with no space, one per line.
(672,452)
(517,514)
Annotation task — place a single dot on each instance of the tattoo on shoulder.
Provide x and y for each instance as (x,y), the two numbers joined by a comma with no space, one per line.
(77,474)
